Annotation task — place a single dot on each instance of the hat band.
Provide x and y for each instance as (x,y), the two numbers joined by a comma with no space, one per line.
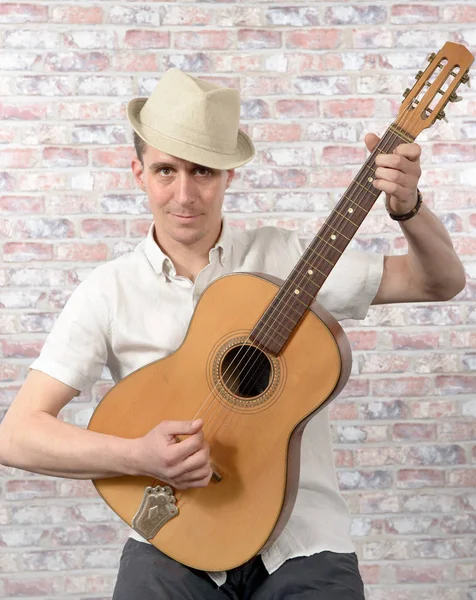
(218,148)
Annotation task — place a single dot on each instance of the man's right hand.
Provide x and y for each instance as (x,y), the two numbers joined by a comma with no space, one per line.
(182,464)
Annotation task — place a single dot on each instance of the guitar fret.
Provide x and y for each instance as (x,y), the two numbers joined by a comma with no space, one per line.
(346,218)
(339,232)
(329,244)
(363,187)
(401,135)
(356,203)
(314,267)
(331,263)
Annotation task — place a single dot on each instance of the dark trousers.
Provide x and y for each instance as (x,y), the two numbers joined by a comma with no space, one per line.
(145,573)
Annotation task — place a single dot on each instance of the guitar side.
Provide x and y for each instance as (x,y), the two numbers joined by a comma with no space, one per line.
(255,442)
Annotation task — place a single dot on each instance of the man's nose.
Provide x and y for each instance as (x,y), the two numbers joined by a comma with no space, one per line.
(185,185)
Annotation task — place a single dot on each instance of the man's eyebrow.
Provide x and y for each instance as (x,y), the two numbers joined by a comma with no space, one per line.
(168,165)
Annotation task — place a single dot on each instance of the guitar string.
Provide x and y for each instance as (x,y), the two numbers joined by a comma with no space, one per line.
(276,309)
(387,144)
(390,141)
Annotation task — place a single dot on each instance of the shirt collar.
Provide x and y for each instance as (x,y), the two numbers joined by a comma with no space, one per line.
(162,264)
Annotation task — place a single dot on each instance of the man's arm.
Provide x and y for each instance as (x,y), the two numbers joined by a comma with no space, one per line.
(34,439)
(431,270)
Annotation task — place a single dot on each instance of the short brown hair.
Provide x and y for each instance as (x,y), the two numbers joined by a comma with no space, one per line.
(140,147)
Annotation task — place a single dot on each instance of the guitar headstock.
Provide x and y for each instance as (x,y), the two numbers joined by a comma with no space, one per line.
(435,87)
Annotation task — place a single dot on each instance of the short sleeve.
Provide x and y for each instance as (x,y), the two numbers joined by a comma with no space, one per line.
(76,349)
(351,285)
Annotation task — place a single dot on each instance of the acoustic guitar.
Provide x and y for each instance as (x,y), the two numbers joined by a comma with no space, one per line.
(261,358)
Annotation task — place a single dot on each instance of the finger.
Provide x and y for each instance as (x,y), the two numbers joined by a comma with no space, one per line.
(197,460)
(400,163)
(181,450)
(371,140)
(195,483)
(410,151)
(181,427)
(395,176)
(390,187)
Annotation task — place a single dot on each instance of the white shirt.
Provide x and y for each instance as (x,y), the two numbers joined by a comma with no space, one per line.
(134,310)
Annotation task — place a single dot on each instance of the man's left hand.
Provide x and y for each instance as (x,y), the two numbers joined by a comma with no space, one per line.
(397,174)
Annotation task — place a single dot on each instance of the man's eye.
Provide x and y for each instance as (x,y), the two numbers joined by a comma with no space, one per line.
(163,170)
(203,171)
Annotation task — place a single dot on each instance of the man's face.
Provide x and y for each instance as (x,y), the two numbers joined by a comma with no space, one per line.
(185,198)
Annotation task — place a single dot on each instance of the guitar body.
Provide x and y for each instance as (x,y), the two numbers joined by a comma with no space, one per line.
(254,440)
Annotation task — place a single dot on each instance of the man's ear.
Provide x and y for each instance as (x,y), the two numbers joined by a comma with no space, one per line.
(231,176)
(138,172)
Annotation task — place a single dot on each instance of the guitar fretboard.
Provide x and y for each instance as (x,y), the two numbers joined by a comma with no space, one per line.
(308,276)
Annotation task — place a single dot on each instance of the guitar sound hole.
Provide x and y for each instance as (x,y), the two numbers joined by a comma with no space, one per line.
(245,371)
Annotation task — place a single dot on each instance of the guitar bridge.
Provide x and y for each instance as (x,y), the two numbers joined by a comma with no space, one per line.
(158,506)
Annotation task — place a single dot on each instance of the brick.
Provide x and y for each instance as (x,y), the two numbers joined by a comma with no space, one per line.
(355,15)
(146,39)
(414,431)
(403,14)
(201,40)
(76,61)
(339,131)
(82,252)
(77,15)
(391,409)
(276,132)
(264,86)
(322,85)
(64,157)
(98,85)
(19,158)
(290,16)
(98,228)
(420,478)
(26,251)
(349,109)
(94,39)
(195,62)
(289,156)
(31,38)
(381,37)
(375,479)
(449,385)
(239,16)
(134,15)
(116,157)
(313,39)
(343,155)
(273,178)
(45,85)
(23,13)
(402,386)
(258,39)
(459,13)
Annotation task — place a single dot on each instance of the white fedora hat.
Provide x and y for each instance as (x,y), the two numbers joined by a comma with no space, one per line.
(194,120)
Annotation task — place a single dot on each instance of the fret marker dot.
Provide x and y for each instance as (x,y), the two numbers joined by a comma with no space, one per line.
(370,179)
(333,236)
(310,272)
(351,210)
(296,291)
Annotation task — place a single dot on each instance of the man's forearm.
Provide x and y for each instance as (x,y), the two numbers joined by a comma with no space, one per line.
(431,257)
(46,445)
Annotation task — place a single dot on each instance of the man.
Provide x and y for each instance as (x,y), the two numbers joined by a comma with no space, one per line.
(136,309)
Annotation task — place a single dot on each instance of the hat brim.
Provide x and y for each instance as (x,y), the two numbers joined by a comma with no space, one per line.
(245,150)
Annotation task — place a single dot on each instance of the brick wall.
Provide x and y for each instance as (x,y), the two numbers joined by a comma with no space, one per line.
(314,77)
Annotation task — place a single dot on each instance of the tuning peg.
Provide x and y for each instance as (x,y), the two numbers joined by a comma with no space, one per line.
(455,98)
(431,57)
(442,115)
(419,74)
(465,78)
(406,92)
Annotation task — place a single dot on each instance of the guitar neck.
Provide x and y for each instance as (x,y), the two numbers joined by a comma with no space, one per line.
(308,276)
